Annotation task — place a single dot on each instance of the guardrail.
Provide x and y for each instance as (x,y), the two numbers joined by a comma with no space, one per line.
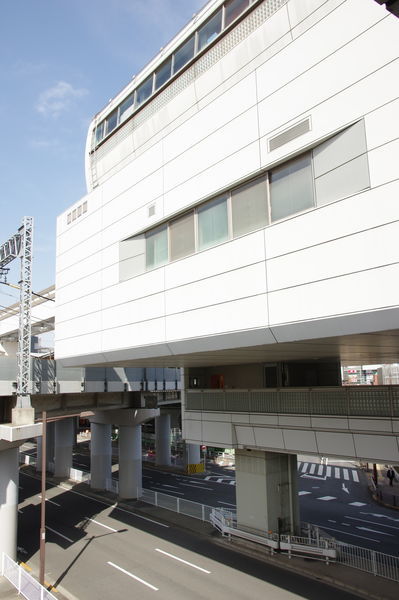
(22,581)
(315,545)
(348,401)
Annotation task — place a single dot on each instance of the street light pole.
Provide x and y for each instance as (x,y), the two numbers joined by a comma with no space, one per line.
(43,501)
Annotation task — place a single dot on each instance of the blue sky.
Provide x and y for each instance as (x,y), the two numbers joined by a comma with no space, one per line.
(60,63)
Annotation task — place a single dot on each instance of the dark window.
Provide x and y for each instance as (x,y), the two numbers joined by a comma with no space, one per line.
(183,54)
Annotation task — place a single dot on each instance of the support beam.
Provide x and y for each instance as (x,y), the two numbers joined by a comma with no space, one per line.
(9,501)
(63,447)
(162,440)
(100,455)
(130,462)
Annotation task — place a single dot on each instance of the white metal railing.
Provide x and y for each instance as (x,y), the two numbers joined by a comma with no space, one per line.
(178,505)
(22,581)
(315,545)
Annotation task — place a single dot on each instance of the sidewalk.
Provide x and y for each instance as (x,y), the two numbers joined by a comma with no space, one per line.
(384,493)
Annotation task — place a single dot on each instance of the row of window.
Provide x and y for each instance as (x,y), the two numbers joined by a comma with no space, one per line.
(336,168)
(77,212)
(222,18)
(284,191)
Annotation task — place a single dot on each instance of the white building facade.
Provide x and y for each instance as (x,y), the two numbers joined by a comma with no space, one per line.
(241,219)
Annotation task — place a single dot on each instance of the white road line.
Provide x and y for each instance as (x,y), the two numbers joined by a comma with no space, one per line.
(219,480)
(299,465)
(162,490)
(372,523)
(170,486)
(336,471)
(320,470)
(182,561)
(355,476)
(357,504)
(346,474)
(327,498)
(196,487)
(304,467)
(114,506)
(351,534)
(303,493)
(346,524)
(101,524)
(20,511)
(312,468)
(60,534)
(232,482)
(133,576)
(328,473)
(331,521)
(226,503)
(51,501)
(374,531)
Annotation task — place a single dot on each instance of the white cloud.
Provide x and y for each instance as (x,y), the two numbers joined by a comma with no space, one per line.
(58,99)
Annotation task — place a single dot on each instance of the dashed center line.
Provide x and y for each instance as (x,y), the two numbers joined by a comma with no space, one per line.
(133,576)
(182,561)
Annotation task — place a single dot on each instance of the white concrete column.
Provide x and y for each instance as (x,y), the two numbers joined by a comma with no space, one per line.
(9,475)
(193,453)
(63,447)
(100,455)
(162,440)
(130,461)
(266,491)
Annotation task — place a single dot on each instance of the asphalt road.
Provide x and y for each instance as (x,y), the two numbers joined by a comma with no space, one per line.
(333,496)
(98,551)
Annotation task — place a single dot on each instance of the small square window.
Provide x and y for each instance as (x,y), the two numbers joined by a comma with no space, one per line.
(74,214)
(84,206)
(69,218)
(210,30)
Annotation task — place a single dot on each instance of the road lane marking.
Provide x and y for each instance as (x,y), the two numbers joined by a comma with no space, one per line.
(379,516)
(226,503)
(320,470)
(351,534)
(133,576)
(375,531)
(336,471)
(170,486)
(114,506)
(331,521)
(305,467)
(346,524)
(182,560)
(346,474)
(196,487)
(327,498)
(173,492)
(51,501)
(328,472)
(60,534)
(355,476)
(372,523)
(312,469)
(101,524)
(357,504)
(303,493)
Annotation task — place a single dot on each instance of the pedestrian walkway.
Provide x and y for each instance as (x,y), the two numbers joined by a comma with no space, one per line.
(383,492)
(323,471)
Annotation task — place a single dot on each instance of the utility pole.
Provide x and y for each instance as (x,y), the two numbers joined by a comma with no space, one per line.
(20,246)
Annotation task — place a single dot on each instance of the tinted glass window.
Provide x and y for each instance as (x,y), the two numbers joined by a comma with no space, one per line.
(212,223)
(126,108)
(112,121)
(291,187)
(163,73)
(210,30)
(100,132)
(156,248)
(249,207)
(233,9)
(182,237)
(183,54)
(144,91)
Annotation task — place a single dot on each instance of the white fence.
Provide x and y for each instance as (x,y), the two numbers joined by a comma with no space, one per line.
(313,545)
(178,505)
(22,581)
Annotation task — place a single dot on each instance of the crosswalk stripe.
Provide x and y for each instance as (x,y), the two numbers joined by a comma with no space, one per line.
(328,474)
(320,470)
(346,474)
(305,467)
(355,476)
(312,469)
(336,473)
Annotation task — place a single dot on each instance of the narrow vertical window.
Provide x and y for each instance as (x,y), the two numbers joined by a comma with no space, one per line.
(144,90)
(183,54)
(233,8)
(100,132)
(156,247)
(182,236)
(163,73)
(126,108)
(208,32)
(112,121)
(291,187)
(249,207)
(212,223)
